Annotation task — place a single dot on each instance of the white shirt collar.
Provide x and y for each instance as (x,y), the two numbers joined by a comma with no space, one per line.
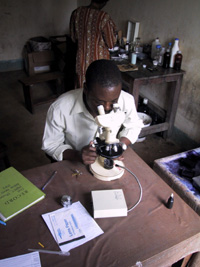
(79,106)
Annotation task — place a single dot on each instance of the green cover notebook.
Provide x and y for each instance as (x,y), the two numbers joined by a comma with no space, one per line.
(16,193)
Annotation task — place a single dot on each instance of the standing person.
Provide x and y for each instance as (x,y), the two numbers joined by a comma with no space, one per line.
(94,32)
(70,124)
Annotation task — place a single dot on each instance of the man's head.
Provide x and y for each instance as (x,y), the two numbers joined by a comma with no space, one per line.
(100,1)
(103,85)
(99,4)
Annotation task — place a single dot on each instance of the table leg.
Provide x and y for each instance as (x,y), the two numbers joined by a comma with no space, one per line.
(131,87)
(28,97)
(172,105)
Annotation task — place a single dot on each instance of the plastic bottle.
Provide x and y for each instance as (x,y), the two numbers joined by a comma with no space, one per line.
(162,52)
(131,47)
(178,60)
(166,59)
(157,55)
(153,47)
(137,45)
(127,46)
(175,49)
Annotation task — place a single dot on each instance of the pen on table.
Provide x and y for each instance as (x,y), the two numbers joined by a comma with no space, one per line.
(41,244)
(50,179)
(61,253)
(1,222)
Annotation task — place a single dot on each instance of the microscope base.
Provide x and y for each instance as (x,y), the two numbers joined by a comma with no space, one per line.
(106,175)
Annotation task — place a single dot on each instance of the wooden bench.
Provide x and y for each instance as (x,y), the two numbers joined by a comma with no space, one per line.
(28,88)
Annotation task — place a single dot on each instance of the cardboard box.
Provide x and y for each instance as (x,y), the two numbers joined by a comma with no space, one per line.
(109,203)
(38,62)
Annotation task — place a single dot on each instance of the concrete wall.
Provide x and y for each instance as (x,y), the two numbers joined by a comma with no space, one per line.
(167,20)
(23,19)
(20,20)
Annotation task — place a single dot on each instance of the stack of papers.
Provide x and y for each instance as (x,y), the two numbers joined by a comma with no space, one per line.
(25,260)
(71,226)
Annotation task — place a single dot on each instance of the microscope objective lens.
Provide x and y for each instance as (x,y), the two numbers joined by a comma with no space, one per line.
(115,148)
(107,148)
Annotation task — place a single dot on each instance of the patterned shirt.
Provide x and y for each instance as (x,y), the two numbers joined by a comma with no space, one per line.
(95,32)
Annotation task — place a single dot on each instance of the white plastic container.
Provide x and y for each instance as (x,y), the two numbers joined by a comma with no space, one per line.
(147,120)
(175,49)
(153,47)
(133,58)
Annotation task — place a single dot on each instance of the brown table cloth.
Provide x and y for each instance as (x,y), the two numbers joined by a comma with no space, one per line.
(151,233)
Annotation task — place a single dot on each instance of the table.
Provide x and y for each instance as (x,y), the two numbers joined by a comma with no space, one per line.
(28,88)
(151,233)
(134,79)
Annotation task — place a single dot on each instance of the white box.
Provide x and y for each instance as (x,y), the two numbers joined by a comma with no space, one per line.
(109,203)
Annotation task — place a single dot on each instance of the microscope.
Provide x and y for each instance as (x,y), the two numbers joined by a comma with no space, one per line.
(108,147)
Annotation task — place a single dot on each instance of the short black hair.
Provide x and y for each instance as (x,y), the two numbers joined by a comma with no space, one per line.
(103,72)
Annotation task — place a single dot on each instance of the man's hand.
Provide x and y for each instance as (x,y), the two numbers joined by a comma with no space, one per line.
(121,158)
(88,154)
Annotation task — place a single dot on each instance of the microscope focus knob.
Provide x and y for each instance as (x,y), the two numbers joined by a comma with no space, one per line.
(115,148)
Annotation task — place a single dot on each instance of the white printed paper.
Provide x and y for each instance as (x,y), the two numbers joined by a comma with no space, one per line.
(86,223)
(26,260)
(66,227)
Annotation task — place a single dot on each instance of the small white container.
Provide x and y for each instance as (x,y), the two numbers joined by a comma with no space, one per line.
(133,58)
(147,120)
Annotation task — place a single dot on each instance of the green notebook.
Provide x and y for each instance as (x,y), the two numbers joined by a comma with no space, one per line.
(16,193)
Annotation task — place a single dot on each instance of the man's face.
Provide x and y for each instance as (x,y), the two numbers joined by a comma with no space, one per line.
(106,96)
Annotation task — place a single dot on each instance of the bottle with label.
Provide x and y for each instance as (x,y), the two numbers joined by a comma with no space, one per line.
(175,49)
(127,46)
(178,60)
(166,59)
(153,47)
